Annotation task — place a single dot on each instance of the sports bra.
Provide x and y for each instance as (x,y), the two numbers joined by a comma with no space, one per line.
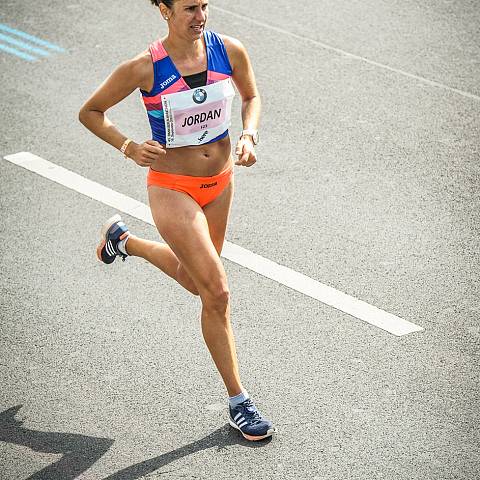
(184,115)
(196,80)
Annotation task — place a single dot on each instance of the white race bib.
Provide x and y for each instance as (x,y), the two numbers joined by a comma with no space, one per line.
(196,116)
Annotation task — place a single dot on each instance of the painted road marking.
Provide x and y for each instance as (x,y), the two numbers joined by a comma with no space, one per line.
(283,275)
(344,52)
(32,38)
(18,53)
(25,46)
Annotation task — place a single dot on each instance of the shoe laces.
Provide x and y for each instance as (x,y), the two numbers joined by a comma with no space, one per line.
(250,412)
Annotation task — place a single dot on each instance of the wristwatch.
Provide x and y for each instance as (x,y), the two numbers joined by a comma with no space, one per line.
(253,133)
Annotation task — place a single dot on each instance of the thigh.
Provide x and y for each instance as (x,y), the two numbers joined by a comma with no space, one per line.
(184,226)
(217,214)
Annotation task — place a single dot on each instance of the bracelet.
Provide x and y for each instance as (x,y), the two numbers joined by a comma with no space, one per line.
(123,148)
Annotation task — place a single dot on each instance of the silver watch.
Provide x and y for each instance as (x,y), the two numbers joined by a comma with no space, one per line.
(253,133)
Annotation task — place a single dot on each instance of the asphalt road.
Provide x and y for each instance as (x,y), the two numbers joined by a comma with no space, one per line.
(368,180)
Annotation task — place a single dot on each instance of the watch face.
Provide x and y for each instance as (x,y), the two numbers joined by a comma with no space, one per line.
(254,135)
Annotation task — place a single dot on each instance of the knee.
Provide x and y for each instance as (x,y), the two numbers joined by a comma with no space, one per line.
(216,298)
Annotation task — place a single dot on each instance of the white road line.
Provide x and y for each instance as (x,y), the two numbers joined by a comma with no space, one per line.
(345,53)
(283,275)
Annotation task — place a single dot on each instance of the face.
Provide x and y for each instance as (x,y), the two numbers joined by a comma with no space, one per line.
(187,17)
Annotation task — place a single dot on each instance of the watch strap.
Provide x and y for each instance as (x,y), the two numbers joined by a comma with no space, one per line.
(252,132)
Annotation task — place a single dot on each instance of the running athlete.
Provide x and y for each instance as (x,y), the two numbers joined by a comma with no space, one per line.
(185,80)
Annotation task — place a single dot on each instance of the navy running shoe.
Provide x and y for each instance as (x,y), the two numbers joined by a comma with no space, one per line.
(113,231)
(246,418)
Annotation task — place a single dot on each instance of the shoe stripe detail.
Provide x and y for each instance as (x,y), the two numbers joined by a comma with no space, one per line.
(242,424)
(111,248)
(108,248)
(240,420)
(239,414)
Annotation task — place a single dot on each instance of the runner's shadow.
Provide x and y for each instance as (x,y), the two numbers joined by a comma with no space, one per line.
(79,451)
(221,438)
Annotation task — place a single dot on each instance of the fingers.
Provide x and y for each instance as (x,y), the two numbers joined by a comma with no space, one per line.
(239,147)
(154,147)
(144,158)
(148,152)
(246,154)
(155,144)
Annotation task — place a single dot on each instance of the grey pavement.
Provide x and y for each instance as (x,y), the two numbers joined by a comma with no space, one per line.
(368,180)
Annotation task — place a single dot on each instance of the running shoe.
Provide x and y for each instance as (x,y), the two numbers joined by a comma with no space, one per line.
(246,418)
(113,231)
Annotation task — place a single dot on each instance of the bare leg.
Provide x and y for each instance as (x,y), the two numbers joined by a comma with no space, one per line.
(162,257)
(195,242)
(217,214)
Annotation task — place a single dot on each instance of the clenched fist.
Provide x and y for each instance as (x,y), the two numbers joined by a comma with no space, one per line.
(146,153)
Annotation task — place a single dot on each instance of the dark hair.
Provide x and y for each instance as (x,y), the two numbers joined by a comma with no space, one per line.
(168,3)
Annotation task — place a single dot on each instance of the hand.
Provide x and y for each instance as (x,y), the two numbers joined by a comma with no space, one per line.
(245,151)
(146,153)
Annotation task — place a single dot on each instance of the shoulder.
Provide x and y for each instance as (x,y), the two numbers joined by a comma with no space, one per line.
(137,70)
(236,51)
(140,64)
(233,45)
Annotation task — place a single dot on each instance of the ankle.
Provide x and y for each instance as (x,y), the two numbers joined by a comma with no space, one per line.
(122,244)
(237,399)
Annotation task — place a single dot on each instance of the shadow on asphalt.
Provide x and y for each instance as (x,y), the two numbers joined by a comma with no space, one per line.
(221,438)
(80,452)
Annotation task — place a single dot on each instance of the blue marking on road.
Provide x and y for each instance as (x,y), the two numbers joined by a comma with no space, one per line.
(39,41)
(18,53)
(24,45)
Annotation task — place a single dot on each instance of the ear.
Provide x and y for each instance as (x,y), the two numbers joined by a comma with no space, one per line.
(164,11)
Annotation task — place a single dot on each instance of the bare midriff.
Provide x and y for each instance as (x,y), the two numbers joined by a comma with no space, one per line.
(197,161)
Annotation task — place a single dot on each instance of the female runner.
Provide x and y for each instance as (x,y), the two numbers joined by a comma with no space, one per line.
(185,81)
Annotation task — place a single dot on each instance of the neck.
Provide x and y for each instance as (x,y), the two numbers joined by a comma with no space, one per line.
(184,47)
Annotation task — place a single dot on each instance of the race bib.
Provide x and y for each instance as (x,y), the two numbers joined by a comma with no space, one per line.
(199,115)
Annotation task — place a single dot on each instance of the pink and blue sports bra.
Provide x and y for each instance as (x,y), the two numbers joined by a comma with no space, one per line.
(183,116)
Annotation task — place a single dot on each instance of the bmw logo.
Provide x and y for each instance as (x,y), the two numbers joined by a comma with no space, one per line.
(199,95)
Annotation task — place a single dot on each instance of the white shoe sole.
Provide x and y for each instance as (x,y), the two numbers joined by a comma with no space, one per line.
(103,233)
(252,438)
(108,224)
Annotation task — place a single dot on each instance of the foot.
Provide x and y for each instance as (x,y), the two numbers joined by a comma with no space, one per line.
(113,231)
(246,418)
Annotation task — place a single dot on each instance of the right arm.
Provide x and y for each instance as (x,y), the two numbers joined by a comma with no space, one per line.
(127,77)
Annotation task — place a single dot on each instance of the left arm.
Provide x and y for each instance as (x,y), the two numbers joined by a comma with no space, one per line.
(244,80)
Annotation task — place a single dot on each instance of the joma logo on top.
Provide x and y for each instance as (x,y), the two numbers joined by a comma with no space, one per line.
(168,81)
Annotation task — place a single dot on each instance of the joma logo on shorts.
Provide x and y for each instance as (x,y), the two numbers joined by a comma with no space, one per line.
(208,185)
(168,81)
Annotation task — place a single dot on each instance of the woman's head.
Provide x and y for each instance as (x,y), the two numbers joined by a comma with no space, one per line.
(185,17)
(168,3)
